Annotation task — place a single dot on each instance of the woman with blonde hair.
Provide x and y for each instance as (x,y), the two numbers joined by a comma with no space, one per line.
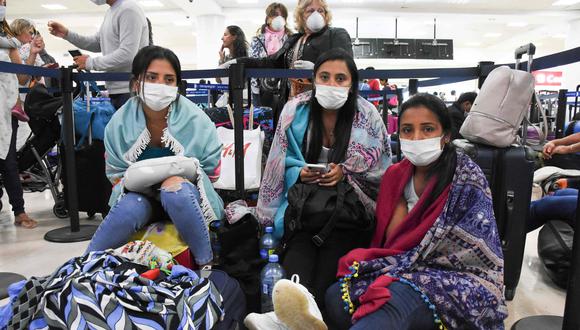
(300,51)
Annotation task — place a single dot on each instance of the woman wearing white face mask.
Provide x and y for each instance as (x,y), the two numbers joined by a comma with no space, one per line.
(268,40)
(336,128)
(435,260)
(300,51)
(159,122)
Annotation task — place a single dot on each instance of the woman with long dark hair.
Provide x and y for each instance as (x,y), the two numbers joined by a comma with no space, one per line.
(339,132)
(234,40)
(435,260)
(155,123)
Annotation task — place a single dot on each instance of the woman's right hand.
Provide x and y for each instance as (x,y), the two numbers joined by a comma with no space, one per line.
(57,29)
(549,149)
(308,176)
(222,54)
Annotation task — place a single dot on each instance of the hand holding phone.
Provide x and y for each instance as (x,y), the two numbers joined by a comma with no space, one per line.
(320,168)
(74,53)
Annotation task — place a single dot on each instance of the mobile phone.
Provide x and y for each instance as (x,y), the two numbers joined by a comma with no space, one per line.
(75,52)
(321,168)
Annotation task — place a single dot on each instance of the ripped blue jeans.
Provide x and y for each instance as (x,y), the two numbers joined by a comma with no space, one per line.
(134,211)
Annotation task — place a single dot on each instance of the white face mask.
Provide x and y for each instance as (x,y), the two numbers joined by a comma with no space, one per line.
(422,152)
(99,2)
(331,97)
(158,96)
(2,13)
(315,22)
(278,23)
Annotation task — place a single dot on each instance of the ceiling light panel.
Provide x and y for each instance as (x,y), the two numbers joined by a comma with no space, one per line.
(54,6)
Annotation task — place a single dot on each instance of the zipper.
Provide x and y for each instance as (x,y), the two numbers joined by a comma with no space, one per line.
(494,118)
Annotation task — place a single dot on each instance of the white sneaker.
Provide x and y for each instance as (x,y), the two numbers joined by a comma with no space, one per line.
(266,321)
(295,306)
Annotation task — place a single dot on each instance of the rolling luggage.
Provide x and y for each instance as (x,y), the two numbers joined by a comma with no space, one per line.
(510,174)
(93,187)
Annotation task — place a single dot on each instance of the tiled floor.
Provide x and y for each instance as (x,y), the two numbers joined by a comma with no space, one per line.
(26,252)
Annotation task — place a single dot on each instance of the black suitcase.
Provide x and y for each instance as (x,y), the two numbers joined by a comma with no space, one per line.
(509,172)
(93,187)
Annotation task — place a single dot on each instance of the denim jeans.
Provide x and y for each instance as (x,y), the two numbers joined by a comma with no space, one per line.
(134,211)
(11,175)
(559,206)
(406,310)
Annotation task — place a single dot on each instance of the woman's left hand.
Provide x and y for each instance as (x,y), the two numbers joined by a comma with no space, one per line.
(333,176)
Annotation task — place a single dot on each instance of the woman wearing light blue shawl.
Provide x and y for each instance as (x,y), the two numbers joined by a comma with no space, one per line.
(155,124)
(332,125)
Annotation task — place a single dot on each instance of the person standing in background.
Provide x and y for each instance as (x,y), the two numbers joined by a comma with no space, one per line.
(269,39)
(9,45)
(124,31)
(234,40)
(459,110)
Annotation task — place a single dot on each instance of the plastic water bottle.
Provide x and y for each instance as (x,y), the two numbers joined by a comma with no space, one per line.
(216,247)
(268,243)
(271,274)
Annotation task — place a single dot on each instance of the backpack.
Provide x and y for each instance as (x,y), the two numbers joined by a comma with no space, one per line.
(555,250)
(499,109)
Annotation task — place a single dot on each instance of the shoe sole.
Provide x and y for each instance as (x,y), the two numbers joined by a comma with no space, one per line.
(291,307)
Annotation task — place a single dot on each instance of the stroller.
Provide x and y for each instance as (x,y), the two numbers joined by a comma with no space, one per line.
(40,167)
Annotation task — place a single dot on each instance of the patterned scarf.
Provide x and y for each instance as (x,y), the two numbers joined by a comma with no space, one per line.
(452,255)
(273,40)
(102,291)
(367,157)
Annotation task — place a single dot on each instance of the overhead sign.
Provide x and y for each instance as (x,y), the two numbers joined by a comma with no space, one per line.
(548,78)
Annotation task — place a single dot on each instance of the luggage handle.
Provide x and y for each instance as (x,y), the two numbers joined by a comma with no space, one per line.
(529,49)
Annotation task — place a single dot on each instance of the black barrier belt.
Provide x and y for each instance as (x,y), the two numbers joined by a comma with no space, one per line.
(36,71)
(379,92)
(442,75)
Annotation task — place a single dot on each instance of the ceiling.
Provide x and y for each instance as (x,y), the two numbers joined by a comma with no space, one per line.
(482,30)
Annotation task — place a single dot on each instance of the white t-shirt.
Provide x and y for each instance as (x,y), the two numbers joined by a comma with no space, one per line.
(410,195)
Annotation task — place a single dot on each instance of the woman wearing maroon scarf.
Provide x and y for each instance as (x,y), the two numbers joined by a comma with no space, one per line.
(435,260)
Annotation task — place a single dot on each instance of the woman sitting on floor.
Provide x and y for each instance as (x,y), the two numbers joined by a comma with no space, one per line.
(158,123)
(436,257)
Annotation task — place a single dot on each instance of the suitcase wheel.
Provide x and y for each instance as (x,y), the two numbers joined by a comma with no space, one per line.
(509,294)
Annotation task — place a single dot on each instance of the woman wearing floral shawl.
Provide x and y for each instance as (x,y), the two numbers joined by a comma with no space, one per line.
(435,260)
(333,126)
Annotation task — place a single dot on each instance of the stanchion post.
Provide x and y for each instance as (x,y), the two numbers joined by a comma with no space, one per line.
(571,311)
(561,113)
(68,140)
(237,79)
(483,68)
(413,86)
(76,232)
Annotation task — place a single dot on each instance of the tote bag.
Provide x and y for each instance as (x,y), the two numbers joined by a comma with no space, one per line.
(253,143)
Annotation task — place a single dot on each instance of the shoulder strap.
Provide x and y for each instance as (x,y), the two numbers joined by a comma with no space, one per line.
(263,45)
(319,238)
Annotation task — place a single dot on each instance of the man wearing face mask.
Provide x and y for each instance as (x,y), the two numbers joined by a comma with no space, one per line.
(124,31)
(268,40)
(300,51)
